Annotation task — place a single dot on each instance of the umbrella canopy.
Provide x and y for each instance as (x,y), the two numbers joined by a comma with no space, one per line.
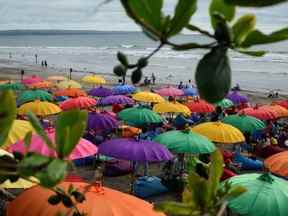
(224,103)
(246,124)
(281,111)
(115,99)
(41,85)
(123,89)
(31,95)
(100,92)
(70,92)
(39,108)
(100,201)
(94,79)
(219,132)
(266,195)
(12,86)
(148,97)
(68,84)
(138,116)
(171,107)
(260,113)
(135,150)
(278,163)
(190,91)
(56,78)
(185,142)
(32,79)
(200,106)
(170,91)
(101,121)
(79,102)
(283,103)
(236,98)
(83,149)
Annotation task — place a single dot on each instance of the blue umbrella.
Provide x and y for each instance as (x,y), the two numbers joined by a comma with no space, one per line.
(123,89)
(190,91)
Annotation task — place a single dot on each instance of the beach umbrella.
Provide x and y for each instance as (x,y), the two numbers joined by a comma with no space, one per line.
(148,97)
(31,95)
(278,163)
(283,103)
(123,89)
(190,91)
(39,108)
(185,142)
(56,78)
(17,132)
(219,132)
(12,86)
(114,99)
(31,80)
(68,84)
(170,91)
(101,121)
(139,116)
(135,150)
(266,195)
(100,92)
(224,103)
(79,102)
(70,92)
(246,124)
(171,107)
(281,111)
(260,113)
(237,98)
(83,149)
(41,85)
(99,201)
(94,79)
(129,131)
(200,106)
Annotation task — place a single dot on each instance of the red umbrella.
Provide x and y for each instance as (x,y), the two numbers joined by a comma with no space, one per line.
(260,113)
(283,103)
(200,106)
(80,102)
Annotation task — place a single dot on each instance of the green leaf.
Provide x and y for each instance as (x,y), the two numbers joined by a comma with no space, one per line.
(136,76)
(183,12)
(256,37)
(173,208)
(119,70)
(219,6)
(254,3)
(189,46)
(198,188)
(70,127)
(235,192)
(122,58)
(243,27)
(27,140)
(32,163)
(256,53)
(223,32)
(7,114)
(213,75)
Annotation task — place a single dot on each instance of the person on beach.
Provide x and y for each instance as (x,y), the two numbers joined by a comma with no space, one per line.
(36,58)
(42,63)
(45,63)
(180,86)
(153,77)
(189,84)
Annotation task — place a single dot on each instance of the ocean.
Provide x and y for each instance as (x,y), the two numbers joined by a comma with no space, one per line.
(95,51)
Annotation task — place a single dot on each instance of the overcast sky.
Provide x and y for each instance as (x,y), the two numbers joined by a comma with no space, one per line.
(82,15)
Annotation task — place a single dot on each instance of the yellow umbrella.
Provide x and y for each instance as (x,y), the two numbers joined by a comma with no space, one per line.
(56,78)
(219,132)
(17,132)
(68,84)
(39,108)
(169,107)
(148,97)
(94,79)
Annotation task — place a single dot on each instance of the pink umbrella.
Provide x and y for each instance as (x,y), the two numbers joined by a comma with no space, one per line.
(170,91)
(31,80)
(83,149)
(79,102)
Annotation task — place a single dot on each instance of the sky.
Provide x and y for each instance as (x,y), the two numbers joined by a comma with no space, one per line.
(83,15)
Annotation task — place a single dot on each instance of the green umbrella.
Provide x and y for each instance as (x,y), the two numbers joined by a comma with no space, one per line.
(224,103)
(12,86)
(138,116)
(185,142)
(31,95)
(266,195)
(246,124)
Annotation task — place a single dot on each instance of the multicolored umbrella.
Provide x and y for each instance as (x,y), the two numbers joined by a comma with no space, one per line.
(56,78)
(185,142)
(39,108)
(83,149)
(200,106)
(260,113)
(148,97)
(139,116)
(94,79)
(41,85)
(31,95)
(266,195)
(31,80)
(236,98)
(101,121)
(12,86)
(219,132)
(281,111)
(278,163)
(99,201)
(246,124)
(190,91)
(135,150)
(283,103)
(224,103)
(114,99)
(170,91)
(68,84)
(100,92)
(123,89)
(79,102)
(171,107)
(70,92)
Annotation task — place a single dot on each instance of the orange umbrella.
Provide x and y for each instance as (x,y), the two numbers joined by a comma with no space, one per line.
(200,106)
(283,103)
(278,163)
(100,201)
(79,102)
(41,85)
(281,111)
(70,92)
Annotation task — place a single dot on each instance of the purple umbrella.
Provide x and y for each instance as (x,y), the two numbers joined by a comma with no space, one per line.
(236,98)
(100,92)
(115,99)
(123,89)
(101,121)
(135,150)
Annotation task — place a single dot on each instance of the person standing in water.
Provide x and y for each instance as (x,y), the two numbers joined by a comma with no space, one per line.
(153,77)
(36,58)
(45,63)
